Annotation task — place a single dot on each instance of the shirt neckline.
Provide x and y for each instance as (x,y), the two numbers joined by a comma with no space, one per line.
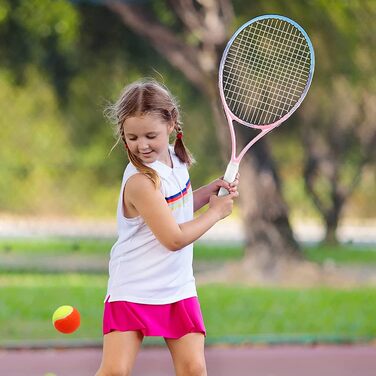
(164,170)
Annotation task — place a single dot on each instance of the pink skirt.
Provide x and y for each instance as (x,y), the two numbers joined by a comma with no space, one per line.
(172,320)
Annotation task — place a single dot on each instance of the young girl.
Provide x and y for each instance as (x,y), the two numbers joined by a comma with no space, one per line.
(151,288)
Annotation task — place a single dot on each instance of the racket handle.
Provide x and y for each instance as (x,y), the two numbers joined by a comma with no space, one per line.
(230,175)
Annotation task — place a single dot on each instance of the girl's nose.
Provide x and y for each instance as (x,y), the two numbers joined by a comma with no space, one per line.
(143,145)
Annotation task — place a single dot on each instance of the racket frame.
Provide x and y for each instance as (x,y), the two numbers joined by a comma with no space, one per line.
(233,166)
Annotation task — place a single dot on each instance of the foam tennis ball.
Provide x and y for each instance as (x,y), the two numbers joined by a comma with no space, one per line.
(66,319)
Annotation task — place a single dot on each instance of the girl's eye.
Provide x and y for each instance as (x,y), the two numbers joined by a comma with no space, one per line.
(150,137)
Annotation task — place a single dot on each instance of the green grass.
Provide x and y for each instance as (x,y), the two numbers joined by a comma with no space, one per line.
(342,254)
(101,247)
(209,252)
(98,247)
(232,310)
(56,245)
(29,300)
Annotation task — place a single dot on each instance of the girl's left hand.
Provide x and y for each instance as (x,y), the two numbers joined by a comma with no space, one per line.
(217,184)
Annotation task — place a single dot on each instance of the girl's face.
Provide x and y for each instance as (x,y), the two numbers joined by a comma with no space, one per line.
(147,137)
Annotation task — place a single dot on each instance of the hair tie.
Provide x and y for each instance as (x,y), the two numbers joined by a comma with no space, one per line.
(179,135)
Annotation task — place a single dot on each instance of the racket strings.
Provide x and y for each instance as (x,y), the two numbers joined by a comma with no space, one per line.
(279,102)
(276,60)
(290,54)
(266,71)
(271,64)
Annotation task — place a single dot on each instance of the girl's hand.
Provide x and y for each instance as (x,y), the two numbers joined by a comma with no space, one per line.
(217,184)
(222,205)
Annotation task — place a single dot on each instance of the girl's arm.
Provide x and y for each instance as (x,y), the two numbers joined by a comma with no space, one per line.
(202,195)
(150,204)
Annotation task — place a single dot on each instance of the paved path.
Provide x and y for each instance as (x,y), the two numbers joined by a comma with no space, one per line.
(227,230)
(221,361)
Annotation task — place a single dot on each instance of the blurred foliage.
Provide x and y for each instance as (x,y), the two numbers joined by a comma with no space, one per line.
(56,160)
(61,62)
(42,33)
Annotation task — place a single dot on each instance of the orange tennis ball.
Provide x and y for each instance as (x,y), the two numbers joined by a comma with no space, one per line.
(66,319)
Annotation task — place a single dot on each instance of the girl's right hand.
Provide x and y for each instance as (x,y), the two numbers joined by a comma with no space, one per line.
(222,205)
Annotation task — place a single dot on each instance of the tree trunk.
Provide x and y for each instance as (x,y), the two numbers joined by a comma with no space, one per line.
(330,235)
(269,238)
(331,224)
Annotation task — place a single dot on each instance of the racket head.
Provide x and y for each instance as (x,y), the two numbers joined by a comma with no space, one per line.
(265,71)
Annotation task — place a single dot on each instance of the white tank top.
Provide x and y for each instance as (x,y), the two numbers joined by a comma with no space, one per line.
(141,269)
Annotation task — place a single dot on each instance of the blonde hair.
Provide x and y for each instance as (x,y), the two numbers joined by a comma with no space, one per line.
(147,97)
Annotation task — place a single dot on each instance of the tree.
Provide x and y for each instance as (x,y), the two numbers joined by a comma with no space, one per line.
(339,131)
(338,148)
(192,35)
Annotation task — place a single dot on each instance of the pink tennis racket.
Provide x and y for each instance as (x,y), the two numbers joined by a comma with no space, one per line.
(264,75)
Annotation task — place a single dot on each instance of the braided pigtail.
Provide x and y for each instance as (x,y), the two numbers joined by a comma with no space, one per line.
(180,149)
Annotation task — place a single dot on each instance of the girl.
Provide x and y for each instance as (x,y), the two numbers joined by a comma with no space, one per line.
(151,288)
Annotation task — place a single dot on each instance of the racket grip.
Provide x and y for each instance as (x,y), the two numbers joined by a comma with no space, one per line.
(230,175)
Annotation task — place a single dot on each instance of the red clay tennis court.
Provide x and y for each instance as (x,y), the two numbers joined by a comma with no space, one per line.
(328,360)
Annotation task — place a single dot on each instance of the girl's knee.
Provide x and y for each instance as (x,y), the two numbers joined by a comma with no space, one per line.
(195,367)
(114,371)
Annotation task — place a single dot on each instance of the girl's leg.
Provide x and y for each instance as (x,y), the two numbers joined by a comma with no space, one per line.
(119,353)
(188,354)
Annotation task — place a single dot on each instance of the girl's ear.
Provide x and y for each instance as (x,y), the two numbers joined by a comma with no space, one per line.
(170,127)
